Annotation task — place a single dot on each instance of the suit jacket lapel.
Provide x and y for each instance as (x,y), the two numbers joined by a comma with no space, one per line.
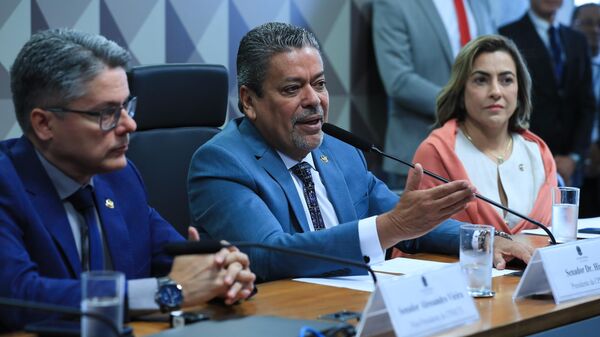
(335,184)
(46,201)
(272,163)
(538,50)
(113,227)
(438,26)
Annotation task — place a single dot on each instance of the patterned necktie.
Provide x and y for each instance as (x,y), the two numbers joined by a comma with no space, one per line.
(556,51)
(463,23)
(92,257)
(302,171)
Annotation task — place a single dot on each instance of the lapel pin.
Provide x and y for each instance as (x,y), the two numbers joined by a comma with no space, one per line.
(324,159)
(109,203)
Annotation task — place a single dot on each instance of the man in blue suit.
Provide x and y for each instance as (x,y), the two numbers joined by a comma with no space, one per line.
(273,177)
(72,102)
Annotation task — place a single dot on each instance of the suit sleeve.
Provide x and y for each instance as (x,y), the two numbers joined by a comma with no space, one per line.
(392,42)
(227,203)
(19,275)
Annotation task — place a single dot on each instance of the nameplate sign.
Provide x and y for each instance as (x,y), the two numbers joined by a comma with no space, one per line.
(419,305)
(566,271)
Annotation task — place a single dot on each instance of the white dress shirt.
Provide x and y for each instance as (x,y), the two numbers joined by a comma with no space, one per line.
(447,12)
(367,229)
(541,27)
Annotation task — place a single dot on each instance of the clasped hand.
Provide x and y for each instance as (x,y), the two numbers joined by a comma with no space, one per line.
(225,274)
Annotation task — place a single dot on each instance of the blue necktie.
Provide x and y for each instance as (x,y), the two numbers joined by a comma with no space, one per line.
(302,171)
(92,257)
(556,50)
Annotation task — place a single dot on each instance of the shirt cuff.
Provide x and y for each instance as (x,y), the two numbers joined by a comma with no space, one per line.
(140,293)
(369,241)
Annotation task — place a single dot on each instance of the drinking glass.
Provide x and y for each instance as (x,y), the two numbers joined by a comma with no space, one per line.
(565,212)
(476,258)
(102,293)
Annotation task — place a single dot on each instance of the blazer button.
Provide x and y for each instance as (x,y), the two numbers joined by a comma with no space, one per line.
(367,259)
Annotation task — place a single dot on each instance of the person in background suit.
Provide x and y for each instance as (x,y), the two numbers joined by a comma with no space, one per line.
(563,102)
(586,19)
(69,199)
(481,135)
(273,177)
(415,44)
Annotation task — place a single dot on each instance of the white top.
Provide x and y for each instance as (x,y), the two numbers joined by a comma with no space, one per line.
(447,12)
(522,175)
(367,229)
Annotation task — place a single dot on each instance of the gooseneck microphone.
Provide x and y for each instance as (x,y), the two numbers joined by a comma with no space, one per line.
(362,144)
(213,246)
(60,309)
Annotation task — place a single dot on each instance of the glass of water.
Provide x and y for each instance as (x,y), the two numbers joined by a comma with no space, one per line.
(102,293)
(565,212)
(476,258)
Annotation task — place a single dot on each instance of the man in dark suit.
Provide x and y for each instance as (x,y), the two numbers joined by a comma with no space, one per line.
(69,199)
(563,102)
(586,19)
(273,177)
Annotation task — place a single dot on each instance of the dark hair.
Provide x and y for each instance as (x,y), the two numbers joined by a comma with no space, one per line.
(54,66)
(578,8)
(260,44)
(450,101)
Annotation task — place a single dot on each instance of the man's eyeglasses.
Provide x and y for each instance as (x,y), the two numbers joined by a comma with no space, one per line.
(107,118)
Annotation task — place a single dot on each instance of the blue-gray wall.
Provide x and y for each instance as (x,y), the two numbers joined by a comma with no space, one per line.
(208,31)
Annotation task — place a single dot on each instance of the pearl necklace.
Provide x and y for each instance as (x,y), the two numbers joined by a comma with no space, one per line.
(499,157)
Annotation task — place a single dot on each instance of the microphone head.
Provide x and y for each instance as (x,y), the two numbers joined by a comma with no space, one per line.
(193,247)
(347,137)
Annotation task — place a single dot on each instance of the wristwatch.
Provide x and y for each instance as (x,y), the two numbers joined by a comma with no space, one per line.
(169,295)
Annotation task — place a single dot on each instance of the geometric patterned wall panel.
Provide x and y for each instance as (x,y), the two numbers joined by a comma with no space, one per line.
(14,31)
(209,31)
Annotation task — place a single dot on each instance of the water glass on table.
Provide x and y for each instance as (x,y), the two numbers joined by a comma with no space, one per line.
(102,293)
(565,212)
(476,258)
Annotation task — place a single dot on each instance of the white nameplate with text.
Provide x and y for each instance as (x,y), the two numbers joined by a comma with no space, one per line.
(567,271)
(419,305)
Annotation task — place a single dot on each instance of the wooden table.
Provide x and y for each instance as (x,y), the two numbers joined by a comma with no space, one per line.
(500,316)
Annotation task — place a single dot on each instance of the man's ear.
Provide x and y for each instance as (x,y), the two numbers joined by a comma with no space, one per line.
(41,123)
(247,100)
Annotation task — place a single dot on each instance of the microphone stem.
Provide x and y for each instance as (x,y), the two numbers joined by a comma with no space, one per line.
(305,253)
(477,195)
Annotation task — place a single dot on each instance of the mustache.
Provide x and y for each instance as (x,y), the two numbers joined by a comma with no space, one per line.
(318,110)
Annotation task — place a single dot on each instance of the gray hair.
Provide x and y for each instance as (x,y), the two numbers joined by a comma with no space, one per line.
(260,44)
(54,67)
(451,101)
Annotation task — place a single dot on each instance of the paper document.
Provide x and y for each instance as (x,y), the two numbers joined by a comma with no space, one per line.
(357,282)
(399,265)
(407,266)
(581,223)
